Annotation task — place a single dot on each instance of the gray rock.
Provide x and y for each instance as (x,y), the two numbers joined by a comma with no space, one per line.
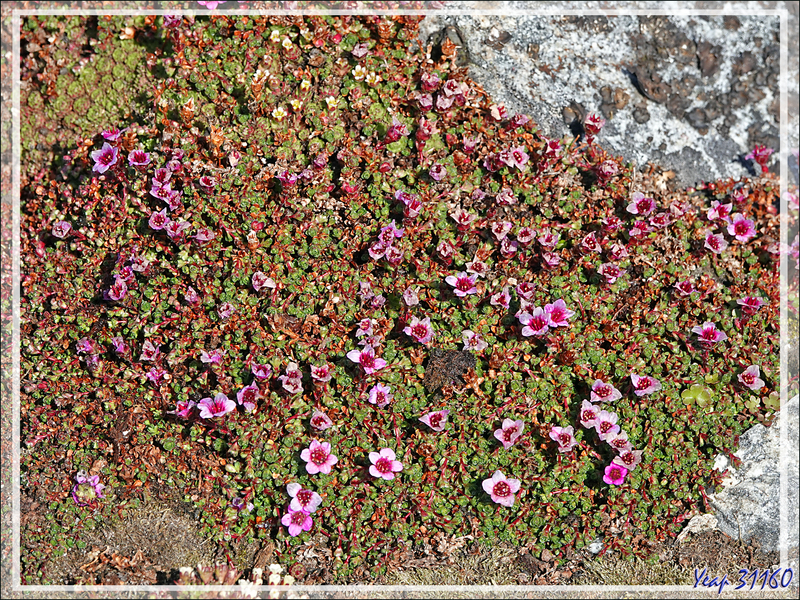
(691,94)
(748,506)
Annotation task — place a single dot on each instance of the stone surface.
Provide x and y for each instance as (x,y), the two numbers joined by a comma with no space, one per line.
(749,503)
(690,93)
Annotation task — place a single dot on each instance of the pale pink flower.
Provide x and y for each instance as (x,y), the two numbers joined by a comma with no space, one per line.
(716,243)
(500,230)
(218,407)
(384,465)
(464,284)
(318,458)
(500,489)
(604,392)
(619,441)
(118,290)
(421,331)
(158,220)
(719,211)
(606,424)
(149,351)
(61,229)
(321,421)
(225,310)
(645,384)
(367,359)
(303,499)
(436,420)
(708,333)
(509,432)
(321,373)
(292,381)
(628,459)
(588,414)
(261,371)
(183,408)
(641,205)
(477,268)
(212,358)
(260,281)
(105,158)
(611,272)
(526,289)
(564,436)
(473,341)
(191,295)
(548,239)
(502,298)
(751,378)
(380,395)
(590,244)
(87,488)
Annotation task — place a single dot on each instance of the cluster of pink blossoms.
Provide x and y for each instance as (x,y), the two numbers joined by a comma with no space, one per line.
(538,321)
(385,248)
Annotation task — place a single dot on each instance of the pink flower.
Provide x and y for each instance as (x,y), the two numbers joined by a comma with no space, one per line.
(628,459)
(292,381)
(760,154)
(519,158)
(175,229)
(296,520)
(644,385)
(477,268)
(436,420)
(719,211)
(260,281)
(247,397)
(380,395)
(191,295)
(526,235)
(463,284)
(218,407)
(421,331)
(535,323)
(716,243)
(619,441)
(500,230)
(590,244)
(321,421)
(118,290)
(321,374)
(366,327)
(611,272)
(750,304)
(509,432)
(526,289)
(552,149)
(548,239)
(158,220)
(660,220)
(611,224)
(470,143)
(367,359)
(225,310)
(505,197)
(685,287)
(261,371)
(502,298)
(183,409)
(211,5)
(212,358)
(606,424)
(437,171)
(429,81)
(303,499)
(708,333)
(410,296)
(615,474)
(592,125)
(105,158)
(606,170)
(557,314)
(500,489)
(138,158)
(149,351)
(473,341)
(463,218)
(61,229)
(564,436)
(604,392)
(360,50)
(640,205)
(588,414)
(113,134)
(499,112)
(750,378)
(120,347)
(87,489)
(741,228)
(318,458)
(384,464)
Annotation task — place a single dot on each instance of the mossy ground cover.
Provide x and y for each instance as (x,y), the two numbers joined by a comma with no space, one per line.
(237,288)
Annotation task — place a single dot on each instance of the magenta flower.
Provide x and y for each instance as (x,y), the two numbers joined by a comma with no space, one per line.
(588,414)
(61,229)
(615,474)
(550,260)
(156,375)
(660,220)
(750,378)
(535,323)
(384,464)
(120,347)
(640,205)
(606,424)
(502,298)
(590,244)
(321,421)
(296,520)
(719,211)
(211,5)
(526,235)
(138,158)
(619,441)
(750,304)
(212,358)
(685,287)
(303,499)
(87,489)
(318,458)
(85,346)
(191,295)
(592,125)
(473,341)
(366,327)
(760,154)
(564,436)
(158,220)
(218,407)
(611,272)
(113,134)
(393,255)
(118,290)
(322,373)
(380,395)
(105,158)
(377,250)
(644,385)
(500,489)
(248,396)
(716,243)
(183,408)
(437,171)
(604,392)
(557,314)
(411,297)
(436,420)
(741,228)
(149,351)
(421,331)
(708,333)
(225,310)
(509,432)
(367,359)
(628,459)
(505,197)
(464,284)
(260,281)
(261,371)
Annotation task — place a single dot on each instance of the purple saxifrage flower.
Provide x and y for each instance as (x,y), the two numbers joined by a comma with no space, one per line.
(742,228)
(384,465)
(716,243)
(535,322)
(322,373)
(641,205)
(297,521)
(750,378)
(292,381)
(218,407)
(606,424)
(248,396)
(104,158)
(411,296)
(156,375)
(509,432)
(380,395)
(87,489)
(501,298)
(473,341)
(225,310)
(158,220)
(211,358)
(437,172)
(113,134)
(500,489)
(604,392)
(610,272)
(644,385)
(464,284)
(367,359)
(708,333)
(436,420)
(261,371)
(619,441)
(588,414)
(628,459)
(260,281)
(61,229)
(183,408)
(149,351)
(85,346)
(303,499)
(120,347)
(557,314)
(615,474)
(321,421)
(421,331)
(685,288)
(138,158)
(564,436)
(750,304)
(719,211)
(318,458)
